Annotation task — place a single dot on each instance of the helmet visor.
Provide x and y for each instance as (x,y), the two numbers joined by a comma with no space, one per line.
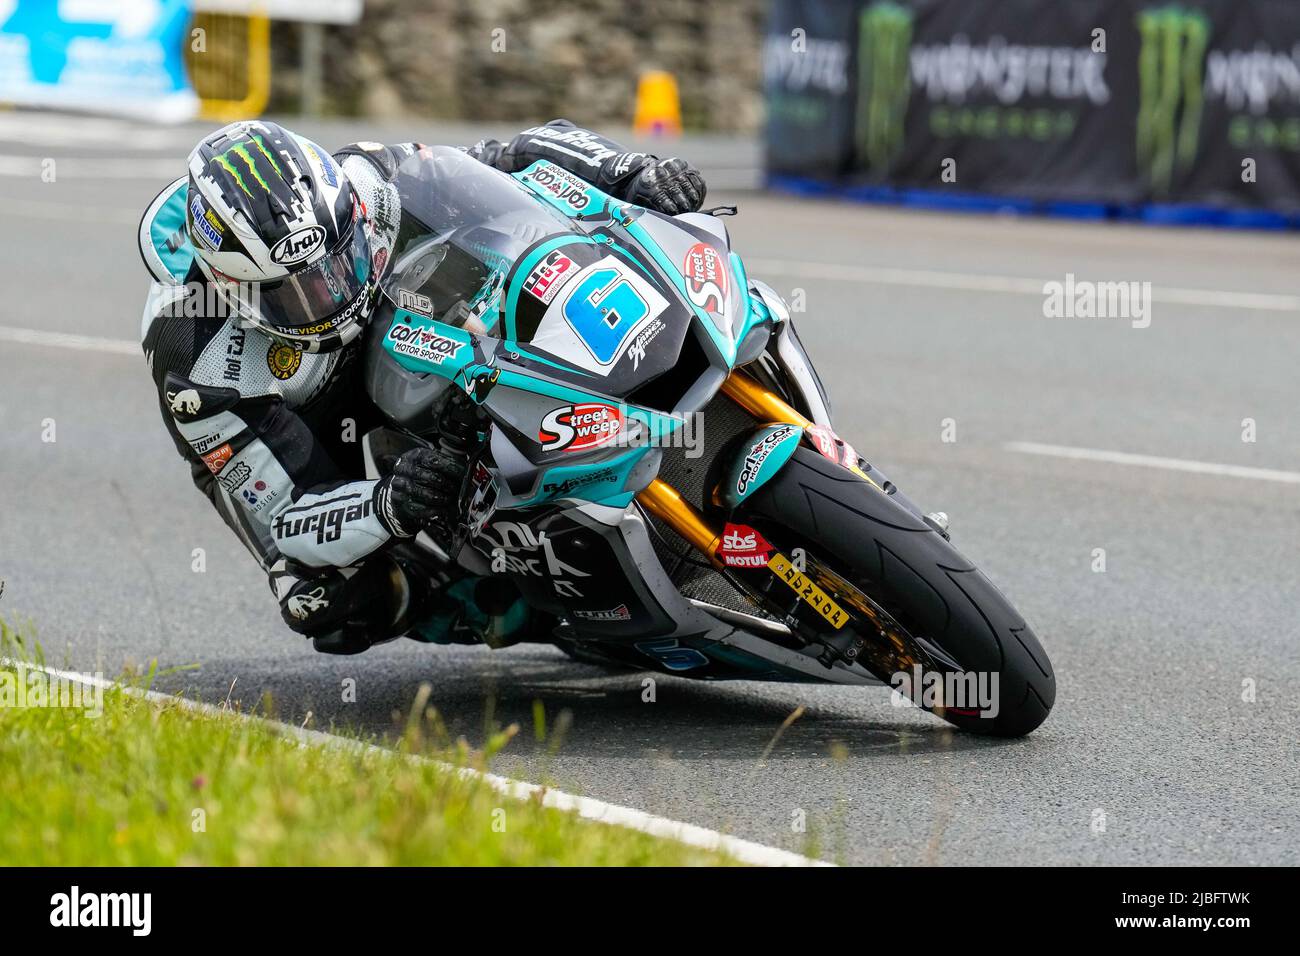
(319,298)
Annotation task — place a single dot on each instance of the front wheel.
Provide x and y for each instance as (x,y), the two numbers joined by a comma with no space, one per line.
(921,617)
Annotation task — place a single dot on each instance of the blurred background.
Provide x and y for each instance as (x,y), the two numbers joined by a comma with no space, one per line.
(1177,112)
(914,177)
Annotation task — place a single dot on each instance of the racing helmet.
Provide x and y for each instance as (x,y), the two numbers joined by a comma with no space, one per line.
(280,232)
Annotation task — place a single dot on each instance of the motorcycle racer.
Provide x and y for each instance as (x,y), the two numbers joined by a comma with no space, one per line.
(266,260)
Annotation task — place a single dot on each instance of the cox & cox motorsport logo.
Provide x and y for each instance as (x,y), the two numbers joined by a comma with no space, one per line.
(423,343)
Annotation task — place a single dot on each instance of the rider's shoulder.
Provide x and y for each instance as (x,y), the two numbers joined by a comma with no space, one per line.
(162,235)
(189,338)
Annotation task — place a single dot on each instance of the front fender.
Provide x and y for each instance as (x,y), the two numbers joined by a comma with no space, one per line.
(750,461)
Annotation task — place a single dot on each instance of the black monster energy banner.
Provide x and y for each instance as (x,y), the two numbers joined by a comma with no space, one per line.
(1115,102)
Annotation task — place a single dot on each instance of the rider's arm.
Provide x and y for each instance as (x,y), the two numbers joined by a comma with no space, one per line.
(259,464)
(600,161)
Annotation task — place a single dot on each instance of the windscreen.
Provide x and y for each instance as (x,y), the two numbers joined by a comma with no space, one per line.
(463,226)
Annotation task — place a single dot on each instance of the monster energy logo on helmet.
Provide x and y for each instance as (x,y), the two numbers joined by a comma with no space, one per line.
(1171,82)
(884,81)
(241,160)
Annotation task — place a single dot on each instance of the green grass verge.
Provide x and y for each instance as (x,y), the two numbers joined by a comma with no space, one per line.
(155,784)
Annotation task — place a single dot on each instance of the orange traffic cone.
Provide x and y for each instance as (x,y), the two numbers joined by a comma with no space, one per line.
(658,108)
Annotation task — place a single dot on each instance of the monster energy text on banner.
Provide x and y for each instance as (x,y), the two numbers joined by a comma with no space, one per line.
(1123,103)
(989,89)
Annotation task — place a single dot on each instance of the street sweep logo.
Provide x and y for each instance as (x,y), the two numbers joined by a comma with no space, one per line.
(73,909)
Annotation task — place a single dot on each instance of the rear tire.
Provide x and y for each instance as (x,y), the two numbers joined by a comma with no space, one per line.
(910,570)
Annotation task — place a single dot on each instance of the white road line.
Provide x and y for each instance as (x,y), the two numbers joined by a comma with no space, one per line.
(63,129)
(67,340)
(37,209)
(1154,461)
(1015,285)
(80,167)
(744,851)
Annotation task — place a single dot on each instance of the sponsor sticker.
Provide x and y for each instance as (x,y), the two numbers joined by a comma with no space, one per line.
(483,498)
(184,402)
(283,360)
(570,485)
(758,453)
(423,343)
(217,458)
(809,592)
(258,495)
(547,277)
(620,613)
(743,547)
(563,186)
(580,427)
(298,245)
(233,478)
(706,277)
(326,165)
(835,448)
(637,350)
(415,302)
(206,226)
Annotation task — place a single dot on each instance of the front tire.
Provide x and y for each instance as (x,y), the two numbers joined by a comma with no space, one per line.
(953,613)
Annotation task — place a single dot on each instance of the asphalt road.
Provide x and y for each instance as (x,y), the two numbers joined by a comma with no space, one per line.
(1151,754)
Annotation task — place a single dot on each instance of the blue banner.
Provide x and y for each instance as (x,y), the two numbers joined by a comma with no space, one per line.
(114,56)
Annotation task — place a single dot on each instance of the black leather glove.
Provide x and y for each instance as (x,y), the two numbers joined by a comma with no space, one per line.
(422,491)
(671,186)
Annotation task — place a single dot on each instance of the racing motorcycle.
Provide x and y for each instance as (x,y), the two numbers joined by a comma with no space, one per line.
(654,462)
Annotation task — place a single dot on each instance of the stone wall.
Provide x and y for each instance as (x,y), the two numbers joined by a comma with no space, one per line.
(579,59)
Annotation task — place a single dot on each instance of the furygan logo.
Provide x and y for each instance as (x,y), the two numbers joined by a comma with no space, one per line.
(328,525)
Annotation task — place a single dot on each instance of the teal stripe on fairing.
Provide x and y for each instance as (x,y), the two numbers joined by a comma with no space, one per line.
(514,346)
(607,491)
(726,348)
(754,310)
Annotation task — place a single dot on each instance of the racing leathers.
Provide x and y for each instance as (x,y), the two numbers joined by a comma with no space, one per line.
(273,433)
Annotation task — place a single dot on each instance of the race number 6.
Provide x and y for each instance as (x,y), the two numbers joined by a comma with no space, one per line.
(603,310)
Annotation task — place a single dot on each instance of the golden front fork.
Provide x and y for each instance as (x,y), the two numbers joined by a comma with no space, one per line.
(665,502)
